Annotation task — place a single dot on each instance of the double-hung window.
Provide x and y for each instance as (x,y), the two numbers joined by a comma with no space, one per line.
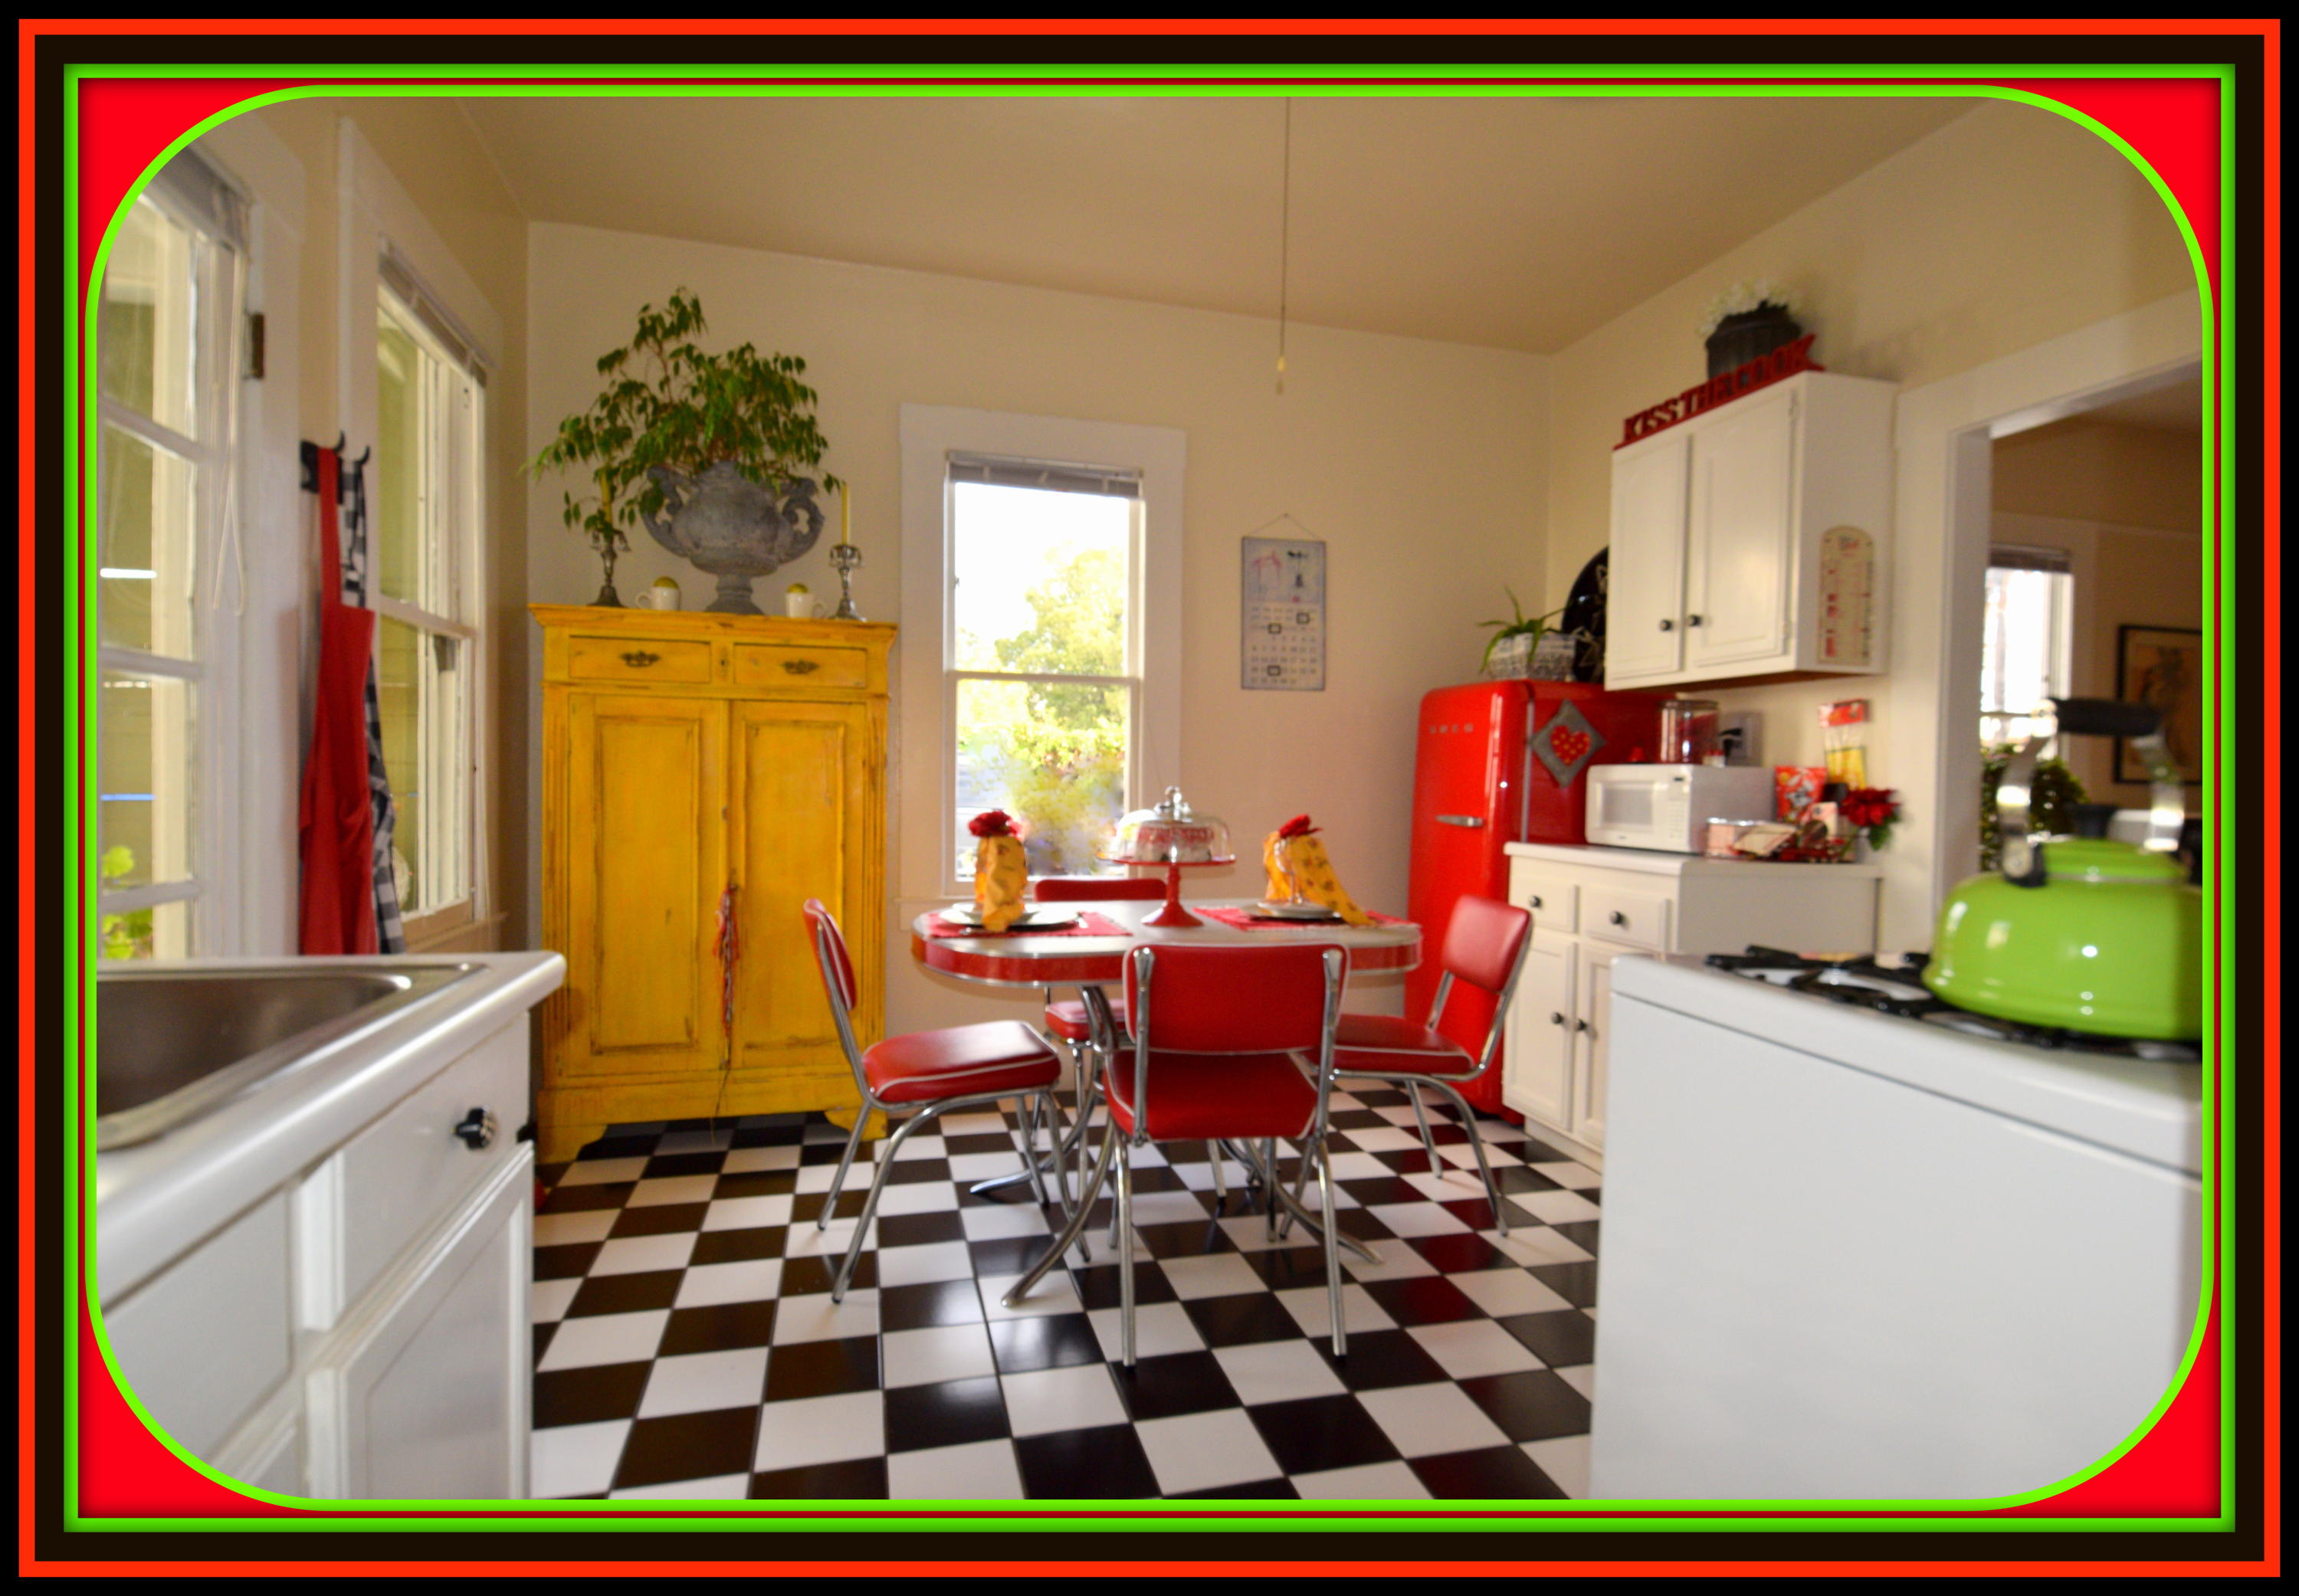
(424,580)
(2027,641)
(1043,641)
(167,370)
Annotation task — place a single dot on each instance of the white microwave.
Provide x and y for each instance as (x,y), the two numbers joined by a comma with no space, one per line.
(1669,807)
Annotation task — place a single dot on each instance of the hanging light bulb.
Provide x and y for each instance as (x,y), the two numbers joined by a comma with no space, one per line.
(1284,243)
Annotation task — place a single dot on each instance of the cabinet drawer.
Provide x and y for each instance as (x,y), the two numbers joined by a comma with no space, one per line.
(405,1172)
(1553,900)
(1617,914)
(204,1340)
(798,664)
(638,659)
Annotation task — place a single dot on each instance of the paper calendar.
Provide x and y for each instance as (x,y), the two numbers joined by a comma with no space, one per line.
(1284,614)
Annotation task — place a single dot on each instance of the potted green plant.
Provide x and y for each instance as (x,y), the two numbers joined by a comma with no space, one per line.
(1514,656)
(2052,804)
(705,449)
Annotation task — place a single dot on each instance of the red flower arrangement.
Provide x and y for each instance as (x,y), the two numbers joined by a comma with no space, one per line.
(992,822)
(1299,826)
(1872,810)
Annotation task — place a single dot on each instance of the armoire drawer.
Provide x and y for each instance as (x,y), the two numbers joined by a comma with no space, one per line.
(685,661)
(1553,900)
(800,664)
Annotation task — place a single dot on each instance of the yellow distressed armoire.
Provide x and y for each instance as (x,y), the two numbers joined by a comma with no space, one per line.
(694,762)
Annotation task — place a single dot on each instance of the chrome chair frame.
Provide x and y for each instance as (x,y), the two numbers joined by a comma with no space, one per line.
(1313,1137)
(919,1113)
(1413,1080)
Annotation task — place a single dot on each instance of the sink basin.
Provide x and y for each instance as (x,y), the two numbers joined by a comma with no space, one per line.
(173,1044)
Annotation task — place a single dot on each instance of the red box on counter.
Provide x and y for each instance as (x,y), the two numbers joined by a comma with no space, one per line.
(1796,787)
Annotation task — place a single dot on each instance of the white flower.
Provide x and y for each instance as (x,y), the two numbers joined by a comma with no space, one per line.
(1742,297)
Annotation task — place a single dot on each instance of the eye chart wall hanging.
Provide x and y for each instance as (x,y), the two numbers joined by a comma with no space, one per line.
(1283,593)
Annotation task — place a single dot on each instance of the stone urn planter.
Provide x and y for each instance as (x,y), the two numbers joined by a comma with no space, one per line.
(736,529)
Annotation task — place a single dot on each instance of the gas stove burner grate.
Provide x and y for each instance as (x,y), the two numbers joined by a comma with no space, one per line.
(1896,989)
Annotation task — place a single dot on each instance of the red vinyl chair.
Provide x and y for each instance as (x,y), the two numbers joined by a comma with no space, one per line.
(922,1075)
(1221,1037)
(1485,946)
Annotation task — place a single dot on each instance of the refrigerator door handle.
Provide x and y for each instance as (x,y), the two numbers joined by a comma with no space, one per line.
(1469,822)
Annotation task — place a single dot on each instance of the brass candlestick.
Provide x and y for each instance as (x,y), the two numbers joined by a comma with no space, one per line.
(845,559)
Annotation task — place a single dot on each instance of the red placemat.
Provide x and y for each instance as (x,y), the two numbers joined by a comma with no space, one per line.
(1089,924)
(1246,920)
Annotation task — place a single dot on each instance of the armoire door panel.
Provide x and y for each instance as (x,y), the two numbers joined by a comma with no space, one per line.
(648,867)
(795,824)
(1742,533)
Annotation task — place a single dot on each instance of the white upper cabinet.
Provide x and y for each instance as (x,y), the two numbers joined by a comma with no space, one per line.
(1750,541)
(1645,572)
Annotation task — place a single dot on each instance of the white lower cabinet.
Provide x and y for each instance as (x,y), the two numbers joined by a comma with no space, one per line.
(361,1331)
(412,1399)
(1590,905)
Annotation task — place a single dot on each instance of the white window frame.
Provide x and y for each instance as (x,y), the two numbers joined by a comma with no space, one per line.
(930,435)
(384,239)
(453,517)
(211,671)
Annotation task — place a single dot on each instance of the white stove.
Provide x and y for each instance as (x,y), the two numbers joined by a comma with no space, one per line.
(1861,1246)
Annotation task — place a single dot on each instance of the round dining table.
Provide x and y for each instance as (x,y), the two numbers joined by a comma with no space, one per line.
(1072,955)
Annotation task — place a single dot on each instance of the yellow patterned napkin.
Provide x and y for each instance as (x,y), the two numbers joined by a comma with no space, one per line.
(1295,844)
(1001,874)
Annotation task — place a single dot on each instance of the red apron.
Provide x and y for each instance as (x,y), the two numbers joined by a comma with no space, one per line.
(336,820)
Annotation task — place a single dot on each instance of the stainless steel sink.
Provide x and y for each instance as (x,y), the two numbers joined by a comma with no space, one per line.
(173,1044)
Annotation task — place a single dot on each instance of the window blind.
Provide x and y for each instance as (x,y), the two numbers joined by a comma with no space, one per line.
(2024,556)
(202,197)
(437,320)
(1055,476)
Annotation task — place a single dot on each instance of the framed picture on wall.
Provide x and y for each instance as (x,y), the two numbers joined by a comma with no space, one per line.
(2162,666)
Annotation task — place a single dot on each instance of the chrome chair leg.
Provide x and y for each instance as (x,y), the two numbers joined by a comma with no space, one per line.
(1124,1222)
(1477,1145)
(1221,1182)
(1333,1252)
(1436,1164)
(870,1203)
(1039,1104)
(1271,1189)
(837,1181)
(1075,1232)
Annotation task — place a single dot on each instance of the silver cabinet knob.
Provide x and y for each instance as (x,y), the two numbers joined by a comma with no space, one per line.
(1533,902)
(1617,918)
(477,1131)
(1555,1018)
(1668,626)
(1692,620)
(1580,1025)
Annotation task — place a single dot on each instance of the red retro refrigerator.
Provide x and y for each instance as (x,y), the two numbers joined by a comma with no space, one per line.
(1495,762)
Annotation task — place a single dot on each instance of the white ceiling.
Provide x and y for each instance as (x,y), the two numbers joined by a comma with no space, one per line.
(1515,222)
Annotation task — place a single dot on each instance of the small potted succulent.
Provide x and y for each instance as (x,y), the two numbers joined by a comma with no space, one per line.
(1745,321)
(705,449)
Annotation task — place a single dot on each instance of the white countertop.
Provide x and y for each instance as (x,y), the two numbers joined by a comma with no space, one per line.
(155,1199)
(2149,1110)
(1654,862)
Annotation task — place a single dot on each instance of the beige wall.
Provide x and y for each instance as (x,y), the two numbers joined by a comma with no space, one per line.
(1420,464)
(429,148)
(2102,471)
(2007,227)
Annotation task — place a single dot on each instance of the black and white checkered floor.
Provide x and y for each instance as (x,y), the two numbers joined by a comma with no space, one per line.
(686,1345)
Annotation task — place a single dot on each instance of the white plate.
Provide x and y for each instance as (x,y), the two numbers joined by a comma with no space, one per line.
(1269,910)
(1032,920)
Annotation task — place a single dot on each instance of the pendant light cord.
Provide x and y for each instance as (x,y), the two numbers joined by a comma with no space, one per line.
(1284,243)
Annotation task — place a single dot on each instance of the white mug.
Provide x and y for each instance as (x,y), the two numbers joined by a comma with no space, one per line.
(663,598)
(802,607)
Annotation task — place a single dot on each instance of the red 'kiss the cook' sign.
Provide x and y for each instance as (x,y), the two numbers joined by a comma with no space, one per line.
(1762,372)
